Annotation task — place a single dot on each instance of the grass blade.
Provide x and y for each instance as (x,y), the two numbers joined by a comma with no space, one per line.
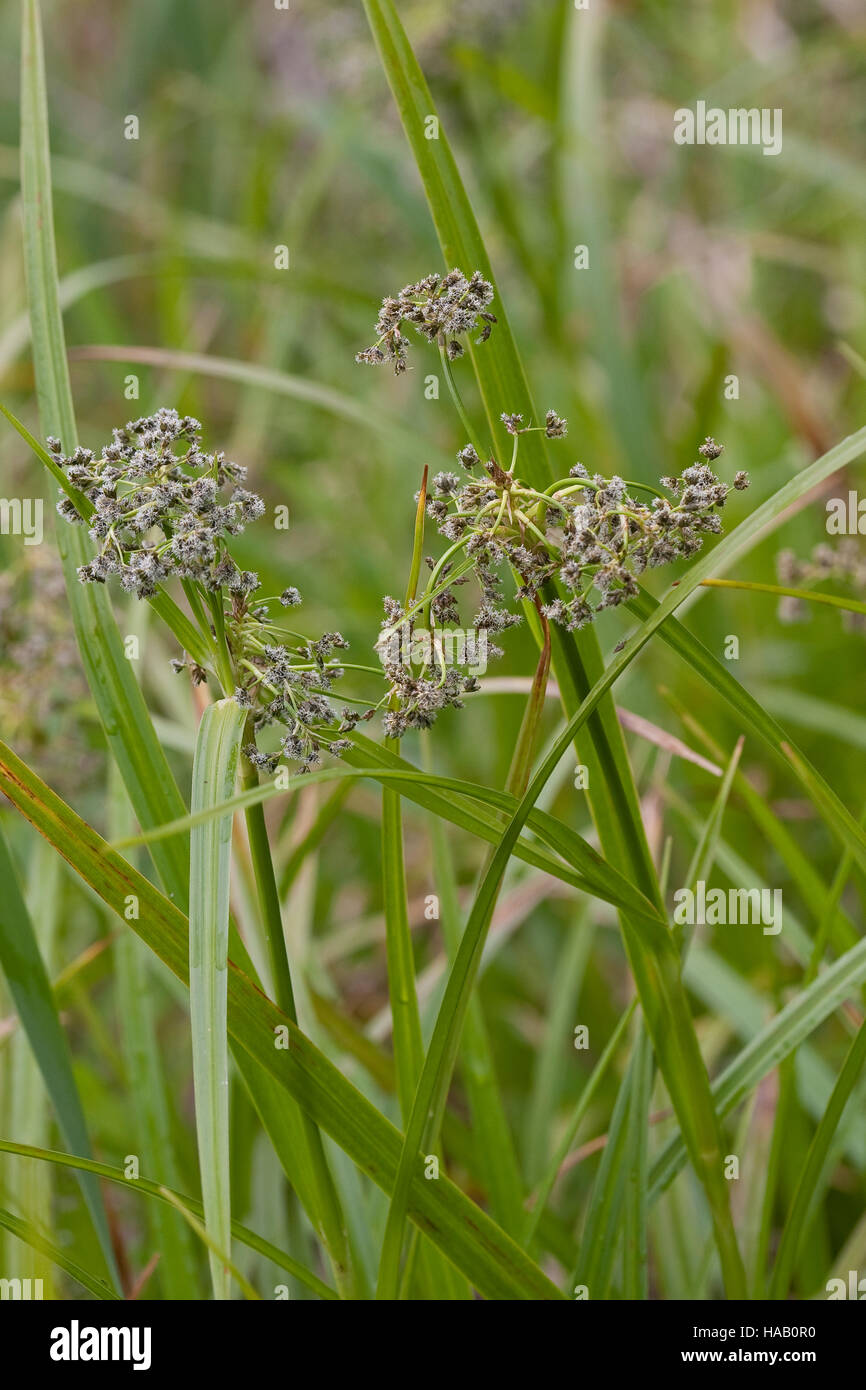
(635,1253)
(780,1037)
(752,716)
(497,1164)
(27,1233)
(474,1243)
(163,1194)
(812,1177)
(137,1007)
(600,1237)
(218,1254)
(408,1047)
(593,875)
(213,778)
(33,996)
(119,701)
(545,1187)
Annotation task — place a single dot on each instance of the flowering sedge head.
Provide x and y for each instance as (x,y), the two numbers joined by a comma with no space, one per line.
(444,309)
(588,533)
(164,508)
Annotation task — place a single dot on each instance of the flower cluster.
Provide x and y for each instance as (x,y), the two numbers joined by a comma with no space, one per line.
(425,669)
(844,563)
(287,684)
(587,532)
(163,508)
(43,685)
(442,308)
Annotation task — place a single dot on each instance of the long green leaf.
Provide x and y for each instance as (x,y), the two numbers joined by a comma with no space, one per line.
(579,672)
(33,996)
(213,777)
(753,718)
(159,1191)
(600,1236)
(137,1008)
(143,766)
(593,875)
(545,1187)
(780,1037)
(812,1176)
(118,698)
(496,1266)
(26,1232)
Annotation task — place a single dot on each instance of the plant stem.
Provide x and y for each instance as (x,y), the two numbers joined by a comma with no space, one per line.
(459,406)
(853,605)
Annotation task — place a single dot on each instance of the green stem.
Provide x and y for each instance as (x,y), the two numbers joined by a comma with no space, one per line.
(545,1187)
(853,605)
(459,406)
(330,1214)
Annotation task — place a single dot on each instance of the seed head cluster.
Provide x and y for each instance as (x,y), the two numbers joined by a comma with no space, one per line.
(442,308)
(589,533)
(586,533)
(419,689)
(161,508)
(287,684)
(845,563)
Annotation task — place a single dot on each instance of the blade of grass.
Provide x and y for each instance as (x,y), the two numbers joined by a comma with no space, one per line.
(402,991)
(28,1113)
(545,1187)
(162,1194)
(497,1166)
(781,1036)
(471,1240)
(27,1233)
(851,605)
(813,1177)
(600,1236)
(552,1064)
(622,1178)
(33,996)
(754,719)
(142,763)
(146,1079)
(217,1253)
(299,1135)
(654,961)
(213,777)
(635,1285)
(595,876)
(799,865)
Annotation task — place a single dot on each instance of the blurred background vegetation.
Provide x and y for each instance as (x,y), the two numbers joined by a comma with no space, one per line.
(260,128)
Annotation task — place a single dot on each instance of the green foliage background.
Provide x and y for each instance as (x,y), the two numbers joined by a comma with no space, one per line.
(261,128)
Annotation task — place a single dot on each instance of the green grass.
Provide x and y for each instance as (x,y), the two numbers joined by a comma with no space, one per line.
(335,986)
